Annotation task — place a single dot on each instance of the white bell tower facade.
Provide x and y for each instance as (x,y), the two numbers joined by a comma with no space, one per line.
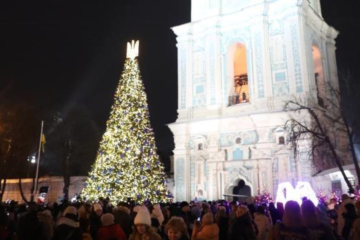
(238,62)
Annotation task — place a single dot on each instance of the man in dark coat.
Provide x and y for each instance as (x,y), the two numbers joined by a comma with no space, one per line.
(29,225)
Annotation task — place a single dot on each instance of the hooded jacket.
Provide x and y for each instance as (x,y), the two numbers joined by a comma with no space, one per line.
(68,228)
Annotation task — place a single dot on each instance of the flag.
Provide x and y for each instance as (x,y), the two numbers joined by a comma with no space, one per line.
(43,142)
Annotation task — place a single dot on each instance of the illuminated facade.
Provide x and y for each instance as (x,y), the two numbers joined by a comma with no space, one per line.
(238,61)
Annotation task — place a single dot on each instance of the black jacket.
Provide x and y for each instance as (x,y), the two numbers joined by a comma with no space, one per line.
(241,229)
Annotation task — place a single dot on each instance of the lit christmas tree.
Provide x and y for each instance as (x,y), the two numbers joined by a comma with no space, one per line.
(127,165)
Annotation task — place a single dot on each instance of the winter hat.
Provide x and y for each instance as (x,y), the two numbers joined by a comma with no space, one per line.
(139,208)
(157,213)
(107,219)
(97,206)
(143,217)
(70,210)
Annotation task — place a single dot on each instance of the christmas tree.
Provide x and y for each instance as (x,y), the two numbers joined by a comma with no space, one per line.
(127,165)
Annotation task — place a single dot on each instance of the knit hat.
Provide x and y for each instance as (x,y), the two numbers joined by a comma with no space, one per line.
(107,219)
(143,217)
(97,206)
(70,210)
(139,208)
(157,213)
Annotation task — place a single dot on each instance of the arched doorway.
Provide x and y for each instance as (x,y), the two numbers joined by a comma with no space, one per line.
(242,191)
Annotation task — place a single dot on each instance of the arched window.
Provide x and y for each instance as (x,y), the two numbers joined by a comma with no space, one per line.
(240,92)
(318,75)
(200,146)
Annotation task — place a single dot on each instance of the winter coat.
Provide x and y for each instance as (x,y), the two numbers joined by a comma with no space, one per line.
(348,226)
(241,229)
(281,232)
(223,227)
(122,217)
(150,235)
(208,232)
(29,227)
(355,234)
(321,232)
(68,229)
(95,224)
(341,211)
(5,234)
(112,232)
(263,224)
(47,224)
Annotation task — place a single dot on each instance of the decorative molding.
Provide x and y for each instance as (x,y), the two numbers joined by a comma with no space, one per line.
(247,137)
(296,55)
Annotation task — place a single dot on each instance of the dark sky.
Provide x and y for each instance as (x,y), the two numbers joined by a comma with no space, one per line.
(61,52)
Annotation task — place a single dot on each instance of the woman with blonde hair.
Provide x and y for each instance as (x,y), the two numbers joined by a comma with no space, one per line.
(208,230)
(291,227)
(176,229)
(143,229)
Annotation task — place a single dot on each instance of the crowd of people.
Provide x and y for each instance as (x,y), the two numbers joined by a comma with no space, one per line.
(182,221)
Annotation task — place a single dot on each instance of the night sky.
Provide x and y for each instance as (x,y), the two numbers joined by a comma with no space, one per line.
(63,52)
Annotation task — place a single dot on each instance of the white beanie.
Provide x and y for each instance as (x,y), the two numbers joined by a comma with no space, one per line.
(70,210)
(107,219)
(157,213)
(143,217)
(97,206)
(139,208)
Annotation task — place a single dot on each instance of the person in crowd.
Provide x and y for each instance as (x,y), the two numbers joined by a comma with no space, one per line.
(176,229)
(233,207)
(222,221)
(323,216)
(310,220)
(110,230)
(349,218)
(47,224)
(262,222)
(122,217)
(68,227)
(5,232)
(291,228)
(332,212)
(280,208)
(355,234)
(186,215)
(208,230)
(341,221)
(95,220)
(84,211)
(274,214)
(85,228)
(242,227)
(29,225)
(143,229)
(157,217)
